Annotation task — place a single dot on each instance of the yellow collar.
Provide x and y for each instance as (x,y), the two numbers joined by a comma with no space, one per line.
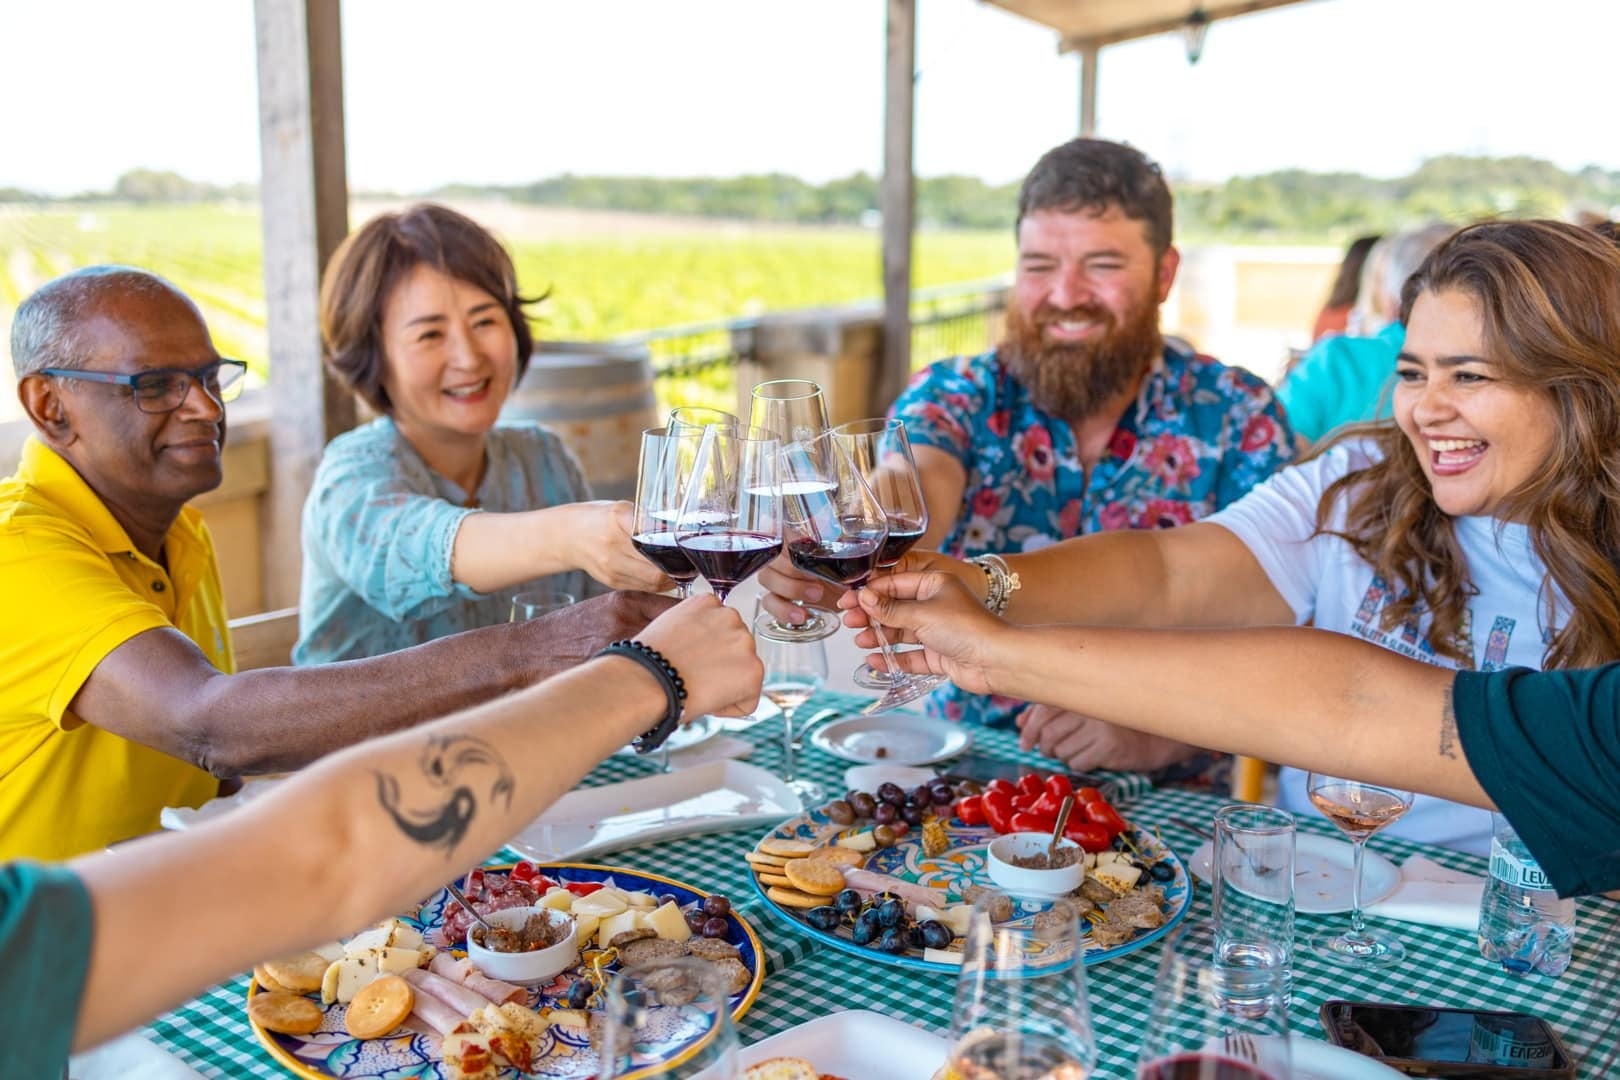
(46,471)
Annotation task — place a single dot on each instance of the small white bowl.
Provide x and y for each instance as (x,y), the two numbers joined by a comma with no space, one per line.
(525,968)
(1018,879)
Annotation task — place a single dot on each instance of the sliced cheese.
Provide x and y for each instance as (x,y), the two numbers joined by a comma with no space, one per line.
(601,903)
(405,937)
(332,950)
(347,977)
(861,841)
(375,938)
(958,917)
(397,961)
(614,925)
(1120,877)
(641,900)
(558,899)
(669,922)
(585,929)
(942,956)
(567,1018)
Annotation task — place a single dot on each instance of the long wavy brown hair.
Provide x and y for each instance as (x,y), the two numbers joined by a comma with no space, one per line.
(1549,296)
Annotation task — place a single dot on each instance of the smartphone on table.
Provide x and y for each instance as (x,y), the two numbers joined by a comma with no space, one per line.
(1465,1043)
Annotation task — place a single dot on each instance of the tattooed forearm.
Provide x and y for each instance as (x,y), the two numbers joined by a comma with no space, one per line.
(1448,728)
(456,768)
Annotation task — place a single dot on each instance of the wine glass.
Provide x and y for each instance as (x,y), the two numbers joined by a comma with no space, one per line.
(1359,810)
(836,529)
(670,1020)
(1021,1010)
(881,453)
(794,671)
(538,602)
(698,417)
(668,455)
(730,522)
(1211,1020)
(796,410)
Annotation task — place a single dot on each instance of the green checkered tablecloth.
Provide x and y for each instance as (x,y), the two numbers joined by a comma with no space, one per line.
(806,979)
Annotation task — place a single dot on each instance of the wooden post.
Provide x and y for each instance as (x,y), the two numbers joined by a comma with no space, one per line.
(304,198)
(1089,51)
(898,198)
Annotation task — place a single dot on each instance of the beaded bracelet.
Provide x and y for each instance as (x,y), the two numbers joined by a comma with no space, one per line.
(670,679)
(1000,582)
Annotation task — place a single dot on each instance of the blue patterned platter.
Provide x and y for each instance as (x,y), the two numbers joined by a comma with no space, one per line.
(962,865)
(566,1052)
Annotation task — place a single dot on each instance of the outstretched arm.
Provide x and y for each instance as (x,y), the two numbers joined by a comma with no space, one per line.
(159,690)
(368,831)
(1307,698)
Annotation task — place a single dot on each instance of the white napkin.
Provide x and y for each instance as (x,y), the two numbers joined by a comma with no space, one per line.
(178,818)
(871,777)
(715,748)
(1433,895)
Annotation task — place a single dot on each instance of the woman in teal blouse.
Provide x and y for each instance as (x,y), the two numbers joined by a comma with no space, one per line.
(425,521)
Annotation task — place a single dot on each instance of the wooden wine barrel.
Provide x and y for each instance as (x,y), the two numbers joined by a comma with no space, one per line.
(599,398)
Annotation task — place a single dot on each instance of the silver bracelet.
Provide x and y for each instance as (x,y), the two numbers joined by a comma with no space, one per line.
(1000,580)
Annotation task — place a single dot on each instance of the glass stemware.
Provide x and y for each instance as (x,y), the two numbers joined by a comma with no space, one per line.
(670,1020)
(538,602)
(881,453)
(697,417)
(1213,1021)
(796,410)
(794,671)
(1359,810)
(1021,1011)
(730,522)
(837,530)
(668,456)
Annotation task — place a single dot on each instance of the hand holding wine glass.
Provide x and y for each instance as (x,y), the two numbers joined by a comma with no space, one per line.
(796,411)
(1359,810)
(668,456)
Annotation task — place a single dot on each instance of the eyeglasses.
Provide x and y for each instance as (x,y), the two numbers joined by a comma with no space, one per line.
(164,390)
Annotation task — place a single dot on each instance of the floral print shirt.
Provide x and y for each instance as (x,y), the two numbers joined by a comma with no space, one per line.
(1200,435)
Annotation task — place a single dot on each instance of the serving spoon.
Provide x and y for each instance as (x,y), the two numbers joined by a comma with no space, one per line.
(1064,811)
(456,892)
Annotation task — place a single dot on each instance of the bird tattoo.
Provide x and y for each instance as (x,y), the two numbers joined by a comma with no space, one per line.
(451,765)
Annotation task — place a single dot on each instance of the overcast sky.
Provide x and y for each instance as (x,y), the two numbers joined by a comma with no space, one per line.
(504,91)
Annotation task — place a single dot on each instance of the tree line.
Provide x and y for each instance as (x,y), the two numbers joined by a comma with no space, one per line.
(1288,203)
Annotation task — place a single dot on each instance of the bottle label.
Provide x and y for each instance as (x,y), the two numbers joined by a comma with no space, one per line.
(1522,873)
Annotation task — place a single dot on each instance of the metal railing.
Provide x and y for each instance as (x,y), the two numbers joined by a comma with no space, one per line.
(697,364)
(956,320)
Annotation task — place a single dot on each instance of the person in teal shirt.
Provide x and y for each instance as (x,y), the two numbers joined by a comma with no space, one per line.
(1345,379)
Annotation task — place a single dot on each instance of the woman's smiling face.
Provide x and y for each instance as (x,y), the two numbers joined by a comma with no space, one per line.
(1477,437)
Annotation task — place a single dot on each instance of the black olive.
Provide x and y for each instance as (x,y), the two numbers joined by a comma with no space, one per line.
(865,928)
(716,905)
(1162,871)
(892,794)
(841,812)
(825,917)
(891,914)
(848,900)
(894,940)
(913,815)
(936,935)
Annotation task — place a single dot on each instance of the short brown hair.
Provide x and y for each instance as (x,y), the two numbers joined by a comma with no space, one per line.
(1093,175)
(372,260)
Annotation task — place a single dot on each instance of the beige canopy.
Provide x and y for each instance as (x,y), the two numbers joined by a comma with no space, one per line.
(1083,23)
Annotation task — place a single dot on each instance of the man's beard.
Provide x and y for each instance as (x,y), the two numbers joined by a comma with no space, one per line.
(1072,381)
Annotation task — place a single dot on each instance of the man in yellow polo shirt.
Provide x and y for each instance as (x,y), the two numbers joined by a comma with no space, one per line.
(116,692)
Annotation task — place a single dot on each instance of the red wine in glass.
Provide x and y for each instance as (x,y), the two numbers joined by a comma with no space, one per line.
(903,533)
(663,552)
(846,562)
(727,558)
(1201,1065)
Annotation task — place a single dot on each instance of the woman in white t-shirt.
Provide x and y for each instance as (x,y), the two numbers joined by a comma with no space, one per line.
(1480,529)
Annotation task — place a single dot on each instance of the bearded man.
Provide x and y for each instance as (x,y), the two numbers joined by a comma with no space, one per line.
(1084,418)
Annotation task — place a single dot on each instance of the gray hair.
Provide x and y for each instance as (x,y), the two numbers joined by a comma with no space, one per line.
(1407,253)
(46,329)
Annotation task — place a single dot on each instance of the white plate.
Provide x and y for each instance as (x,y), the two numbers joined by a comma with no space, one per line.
(857,1045)
(705,798)
(1322,869)
(1317,1060)
(700,730)
(892,739)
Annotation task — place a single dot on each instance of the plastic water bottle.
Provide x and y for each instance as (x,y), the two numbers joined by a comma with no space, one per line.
(1522,922)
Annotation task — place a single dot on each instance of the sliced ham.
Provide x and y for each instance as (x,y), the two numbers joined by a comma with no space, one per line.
(462,971)
(435,1015)
(869,882)
(455,995)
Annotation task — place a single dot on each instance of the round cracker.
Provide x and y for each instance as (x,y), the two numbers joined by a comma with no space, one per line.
(837,856)
(284,1012)
(301,973)
(756,859)
(777,880)
(815,877)
(793,898)
(380,1007)
(785,848)
(262,977)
